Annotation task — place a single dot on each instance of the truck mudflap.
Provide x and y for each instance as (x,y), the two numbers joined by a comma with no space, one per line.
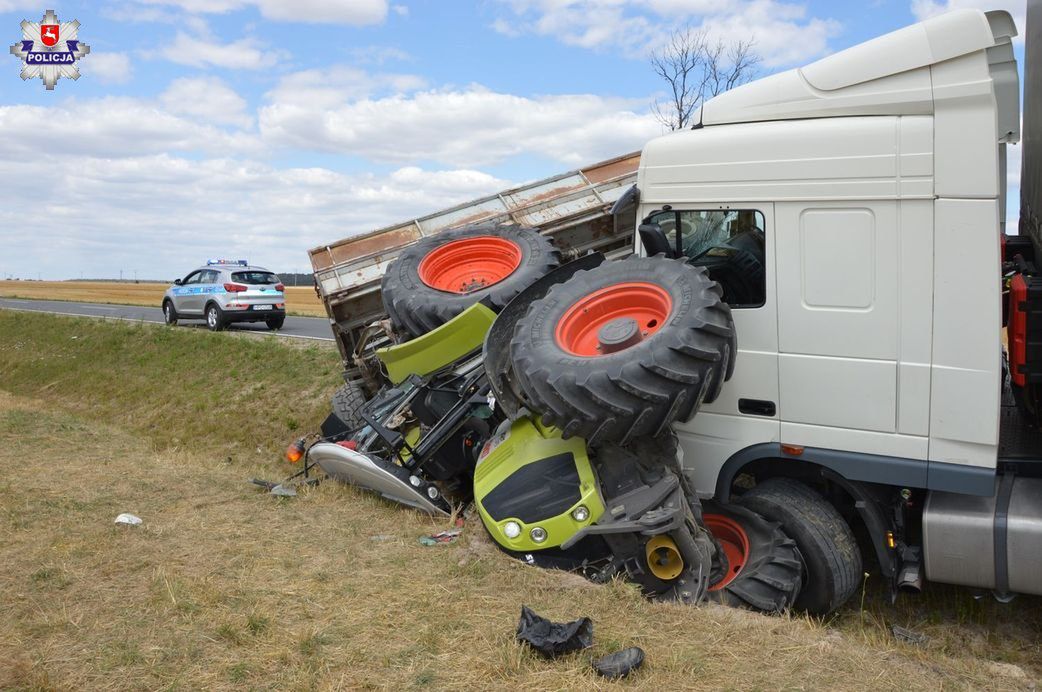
(381,477)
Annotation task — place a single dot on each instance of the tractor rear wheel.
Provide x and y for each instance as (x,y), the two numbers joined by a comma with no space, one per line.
(441,276)
(624,349)
(763,570)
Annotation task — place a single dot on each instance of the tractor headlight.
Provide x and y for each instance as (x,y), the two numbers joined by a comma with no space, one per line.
(538,534)
(512,529)
(581,513)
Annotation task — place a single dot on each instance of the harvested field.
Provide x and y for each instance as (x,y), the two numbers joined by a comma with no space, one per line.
(300,300)
(226,587)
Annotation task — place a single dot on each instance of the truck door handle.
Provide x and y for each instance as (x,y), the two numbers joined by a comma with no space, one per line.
(757,407)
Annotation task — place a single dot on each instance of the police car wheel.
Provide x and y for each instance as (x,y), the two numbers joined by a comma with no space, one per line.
(214,318)
(169,314)
(275,322)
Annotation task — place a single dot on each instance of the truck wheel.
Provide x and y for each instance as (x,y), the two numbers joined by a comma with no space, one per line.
(763,567)
(214,318)
(441,276)
(826,543)
(348,401)
(624,349)
(169,313)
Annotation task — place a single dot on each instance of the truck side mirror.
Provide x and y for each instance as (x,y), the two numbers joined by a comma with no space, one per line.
(177,282)
(654,240)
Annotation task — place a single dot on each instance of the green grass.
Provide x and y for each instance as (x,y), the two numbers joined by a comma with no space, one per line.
(243,398)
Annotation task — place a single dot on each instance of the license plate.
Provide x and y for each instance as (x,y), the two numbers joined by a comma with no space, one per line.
(262,307)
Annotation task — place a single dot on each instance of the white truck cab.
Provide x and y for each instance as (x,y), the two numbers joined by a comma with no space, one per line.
(869,307)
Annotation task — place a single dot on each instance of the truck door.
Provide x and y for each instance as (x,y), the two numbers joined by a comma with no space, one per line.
(735,243)
(854,295)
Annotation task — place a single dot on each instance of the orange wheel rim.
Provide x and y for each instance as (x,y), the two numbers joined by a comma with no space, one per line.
(470,264)
(613,318)
(733,540)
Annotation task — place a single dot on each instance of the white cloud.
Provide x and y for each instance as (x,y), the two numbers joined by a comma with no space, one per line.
(469,127)
(108,68)
(110,129)
(200,51)
(161,214)
(783,32)
(208,98)
(400,10)
(315,90)
(350,12)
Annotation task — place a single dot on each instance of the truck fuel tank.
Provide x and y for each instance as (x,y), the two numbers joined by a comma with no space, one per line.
(987,542)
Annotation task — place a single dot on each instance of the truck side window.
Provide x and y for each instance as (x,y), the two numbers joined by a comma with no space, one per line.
(729,243)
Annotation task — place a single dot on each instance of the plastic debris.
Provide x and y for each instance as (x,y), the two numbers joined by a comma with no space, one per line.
(554,638)
(441,537)
(128,519)
(621,663)
(283,491)
(909,636)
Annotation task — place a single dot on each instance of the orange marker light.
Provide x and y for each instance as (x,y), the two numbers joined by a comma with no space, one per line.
(295,452)
(792,450)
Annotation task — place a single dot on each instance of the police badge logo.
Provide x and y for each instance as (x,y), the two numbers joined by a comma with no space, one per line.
(49,49)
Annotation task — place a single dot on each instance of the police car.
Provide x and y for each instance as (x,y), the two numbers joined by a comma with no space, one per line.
(226,291)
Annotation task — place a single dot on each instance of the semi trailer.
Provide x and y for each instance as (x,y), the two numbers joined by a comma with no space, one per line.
(875,387)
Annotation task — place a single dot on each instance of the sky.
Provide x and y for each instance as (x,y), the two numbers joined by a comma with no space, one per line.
(258,129)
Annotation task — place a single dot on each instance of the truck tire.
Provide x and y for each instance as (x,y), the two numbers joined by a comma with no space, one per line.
(348,401)
(763,569)
(624,349)
(830,552)
(441,276)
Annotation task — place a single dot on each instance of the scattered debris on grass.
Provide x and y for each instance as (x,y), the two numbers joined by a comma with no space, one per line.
(908,636)
(128,519)
(441,538)
(554,638)
(621,663)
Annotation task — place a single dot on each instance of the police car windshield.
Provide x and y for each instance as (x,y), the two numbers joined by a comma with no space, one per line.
(255,278)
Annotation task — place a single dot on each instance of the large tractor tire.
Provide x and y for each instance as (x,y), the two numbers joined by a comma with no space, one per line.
(828,547)
(347,402)
(763,570)
(624,349)
(441,276)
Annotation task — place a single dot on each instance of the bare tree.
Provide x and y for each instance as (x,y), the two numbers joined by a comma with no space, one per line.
(694,68)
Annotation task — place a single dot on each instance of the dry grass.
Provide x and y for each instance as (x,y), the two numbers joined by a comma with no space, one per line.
(300,300)
(224,586)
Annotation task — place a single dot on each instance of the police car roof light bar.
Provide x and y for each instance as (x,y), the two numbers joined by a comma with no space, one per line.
(241,263)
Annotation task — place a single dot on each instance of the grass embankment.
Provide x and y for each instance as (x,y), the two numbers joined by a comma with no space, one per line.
(224,586)
(300,300)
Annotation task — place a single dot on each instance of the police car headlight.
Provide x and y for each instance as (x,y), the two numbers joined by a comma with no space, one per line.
(580,513)
(538,534)
(512,529)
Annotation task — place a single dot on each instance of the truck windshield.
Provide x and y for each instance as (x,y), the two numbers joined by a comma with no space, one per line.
(255,278)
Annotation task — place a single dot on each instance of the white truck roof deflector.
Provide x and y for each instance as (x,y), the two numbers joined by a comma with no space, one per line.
(889,75)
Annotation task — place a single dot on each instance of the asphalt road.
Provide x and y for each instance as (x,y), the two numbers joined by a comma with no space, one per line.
(295,327)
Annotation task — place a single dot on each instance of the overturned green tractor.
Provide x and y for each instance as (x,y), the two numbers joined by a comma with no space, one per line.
(544,393)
